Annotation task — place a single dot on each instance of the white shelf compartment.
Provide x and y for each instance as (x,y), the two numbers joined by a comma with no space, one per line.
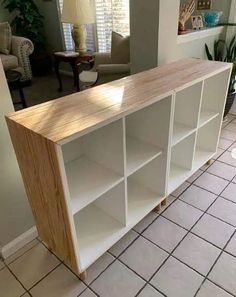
(180,132)
(207,137)
(87,181)
(181,163)
(186,112)
(94,164)
(146,189)
(206,116)
(147,133)
(100,225)
(214,91)
(139,153)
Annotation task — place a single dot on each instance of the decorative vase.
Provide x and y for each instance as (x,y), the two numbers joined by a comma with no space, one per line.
(211,18)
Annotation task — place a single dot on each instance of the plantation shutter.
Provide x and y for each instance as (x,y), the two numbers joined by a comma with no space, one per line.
(69,44)
(111,15)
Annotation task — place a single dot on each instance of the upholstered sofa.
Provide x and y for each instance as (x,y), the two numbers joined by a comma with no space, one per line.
(18,59)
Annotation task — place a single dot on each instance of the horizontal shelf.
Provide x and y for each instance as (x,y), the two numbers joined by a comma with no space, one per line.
(139,153)
(192,35)
(201,157)
(177,176)
(96,233)
(206,117)
(87,181)
(141,201)
(180,132)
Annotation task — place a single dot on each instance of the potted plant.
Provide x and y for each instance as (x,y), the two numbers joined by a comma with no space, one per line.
(28,22)
(226,53)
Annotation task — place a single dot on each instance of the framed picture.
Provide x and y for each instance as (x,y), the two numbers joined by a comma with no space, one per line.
(197,22)
(204,4)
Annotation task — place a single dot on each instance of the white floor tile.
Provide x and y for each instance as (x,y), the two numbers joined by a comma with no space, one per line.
(230,135)
(180,189)
(198,197)
(117,281)
(224,210)
(98,267)
(183,214)
(225,143)
(122,244)
(224,273)
(231,247)
(149,291)
(211,183)
(59,283)
(213,230)
(142,225)
(208,289)
(230,192)
(175,279)
(165,234)
(228,158)
(197,253)
(9,286)
(143,257)
(87,293)
(222,170)
(195,176)
(34,265)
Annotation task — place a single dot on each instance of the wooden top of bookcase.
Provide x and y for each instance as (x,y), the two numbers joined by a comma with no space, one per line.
(63,119)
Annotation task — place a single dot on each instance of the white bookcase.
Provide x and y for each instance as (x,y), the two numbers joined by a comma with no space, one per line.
(112,161)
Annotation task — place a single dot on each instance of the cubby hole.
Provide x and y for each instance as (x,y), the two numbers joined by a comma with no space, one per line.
(214,91)
(187,106)
(147,133)
(207,138)
(146,189)
(94,164)
(181,163)
(99,224)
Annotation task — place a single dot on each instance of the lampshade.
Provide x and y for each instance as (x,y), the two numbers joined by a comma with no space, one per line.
(78,12)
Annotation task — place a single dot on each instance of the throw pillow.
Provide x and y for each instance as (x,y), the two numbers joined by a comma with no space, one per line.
(120,49)
(5,38)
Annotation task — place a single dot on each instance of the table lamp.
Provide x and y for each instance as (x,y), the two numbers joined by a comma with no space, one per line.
(78,13)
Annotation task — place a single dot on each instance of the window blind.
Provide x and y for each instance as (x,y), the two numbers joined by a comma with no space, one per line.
(69,44)
(111,15)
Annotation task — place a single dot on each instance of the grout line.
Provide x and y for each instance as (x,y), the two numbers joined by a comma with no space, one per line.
(222,251)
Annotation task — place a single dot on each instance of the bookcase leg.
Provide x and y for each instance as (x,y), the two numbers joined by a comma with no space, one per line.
(157,209)
(209,162)
(164,202)
(83,275)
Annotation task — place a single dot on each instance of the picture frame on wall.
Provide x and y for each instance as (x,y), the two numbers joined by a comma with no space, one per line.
(197,22)
(204,4)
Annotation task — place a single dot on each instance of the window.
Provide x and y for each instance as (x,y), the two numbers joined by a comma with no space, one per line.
(110,15)
(68,38)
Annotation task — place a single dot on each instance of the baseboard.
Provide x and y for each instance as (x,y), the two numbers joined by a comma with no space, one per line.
(18,242)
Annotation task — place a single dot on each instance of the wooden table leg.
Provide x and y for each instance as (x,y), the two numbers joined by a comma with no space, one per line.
(56,65)
(157,209)
(75,70)
(83,275)
(22,96)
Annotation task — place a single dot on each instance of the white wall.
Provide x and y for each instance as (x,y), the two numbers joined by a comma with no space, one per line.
(15,214)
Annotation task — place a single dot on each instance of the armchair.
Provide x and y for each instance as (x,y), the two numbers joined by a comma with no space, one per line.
(18,59)
(108,66)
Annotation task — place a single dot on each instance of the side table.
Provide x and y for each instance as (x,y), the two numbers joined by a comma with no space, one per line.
(13,79)
(73,58)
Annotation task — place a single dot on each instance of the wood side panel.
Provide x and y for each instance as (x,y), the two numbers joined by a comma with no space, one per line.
(40,169)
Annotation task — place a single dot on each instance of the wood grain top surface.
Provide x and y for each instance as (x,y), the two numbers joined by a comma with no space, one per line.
(76,114)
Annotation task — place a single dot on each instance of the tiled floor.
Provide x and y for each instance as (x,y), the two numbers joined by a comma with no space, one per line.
(188,250)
